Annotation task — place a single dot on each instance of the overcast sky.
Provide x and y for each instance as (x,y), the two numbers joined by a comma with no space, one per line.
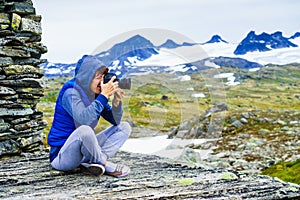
(74,28)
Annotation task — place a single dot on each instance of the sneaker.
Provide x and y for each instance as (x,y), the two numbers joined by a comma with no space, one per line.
(92,168)
(119,171)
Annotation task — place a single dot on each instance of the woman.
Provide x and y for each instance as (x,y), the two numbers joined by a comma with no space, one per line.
(79,105)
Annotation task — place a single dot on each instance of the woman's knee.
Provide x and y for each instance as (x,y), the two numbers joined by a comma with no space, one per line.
(85,131)
(125,128)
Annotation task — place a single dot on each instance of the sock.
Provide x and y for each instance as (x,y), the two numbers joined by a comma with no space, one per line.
(110,167)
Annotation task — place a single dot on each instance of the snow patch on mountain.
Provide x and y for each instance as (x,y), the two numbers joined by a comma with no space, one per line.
(211,64)
(198,95)
(254,69)
(276,56)
(183,78)
(163,58)
(219,49)
(230,78)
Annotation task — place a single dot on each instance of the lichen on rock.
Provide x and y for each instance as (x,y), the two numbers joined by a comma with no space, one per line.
(20,77)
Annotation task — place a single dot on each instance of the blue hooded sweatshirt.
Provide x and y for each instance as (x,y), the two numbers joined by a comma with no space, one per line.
(77,105)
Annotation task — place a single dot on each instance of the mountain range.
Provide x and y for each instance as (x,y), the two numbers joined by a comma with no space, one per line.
(263,42)
(138,55)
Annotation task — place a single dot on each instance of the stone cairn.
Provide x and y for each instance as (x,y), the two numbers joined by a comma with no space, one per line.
(21,86)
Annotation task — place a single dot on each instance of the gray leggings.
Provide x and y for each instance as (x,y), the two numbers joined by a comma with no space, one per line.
(83,146)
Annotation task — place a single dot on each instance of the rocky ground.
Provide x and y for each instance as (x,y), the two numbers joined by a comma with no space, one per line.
(31,177)
(248,140)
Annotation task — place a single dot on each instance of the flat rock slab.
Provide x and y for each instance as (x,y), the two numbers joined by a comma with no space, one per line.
(152,177)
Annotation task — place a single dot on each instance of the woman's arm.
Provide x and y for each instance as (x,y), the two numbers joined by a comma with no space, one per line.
(113,114)
(84,115)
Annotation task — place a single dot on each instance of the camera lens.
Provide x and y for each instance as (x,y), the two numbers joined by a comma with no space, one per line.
(125,83)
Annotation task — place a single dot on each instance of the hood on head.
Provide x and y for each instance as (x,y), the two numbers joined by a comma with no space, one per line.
(85,70)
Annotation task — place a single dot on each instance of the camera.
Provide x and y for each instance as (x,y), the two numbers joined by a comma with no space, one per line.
(124,83)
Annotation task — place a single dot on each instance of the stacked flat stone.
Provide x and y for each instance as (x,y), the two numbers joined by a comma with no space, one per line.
(21,87)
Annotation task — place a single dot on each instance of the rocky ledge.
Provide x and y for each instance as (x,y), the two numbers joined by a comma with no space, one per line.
(31,177)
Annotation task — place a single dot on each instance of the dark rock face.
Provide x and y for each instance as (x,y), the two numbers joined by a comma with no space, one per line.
(297,34)
(21,86)
(234,62)
(215,39)
(263,42)
(170,44)
(151,177)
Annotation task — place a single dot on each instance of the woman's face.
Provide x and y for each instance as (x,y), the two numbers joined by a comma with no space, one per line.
(96,82)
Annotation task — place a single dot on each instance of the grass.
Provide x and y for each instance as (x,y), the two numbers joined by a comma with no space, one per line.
(286,171)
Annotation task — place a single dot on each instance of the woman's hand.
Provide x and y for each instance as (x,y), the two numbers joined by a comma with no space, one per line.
(109,88)
(119,94)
